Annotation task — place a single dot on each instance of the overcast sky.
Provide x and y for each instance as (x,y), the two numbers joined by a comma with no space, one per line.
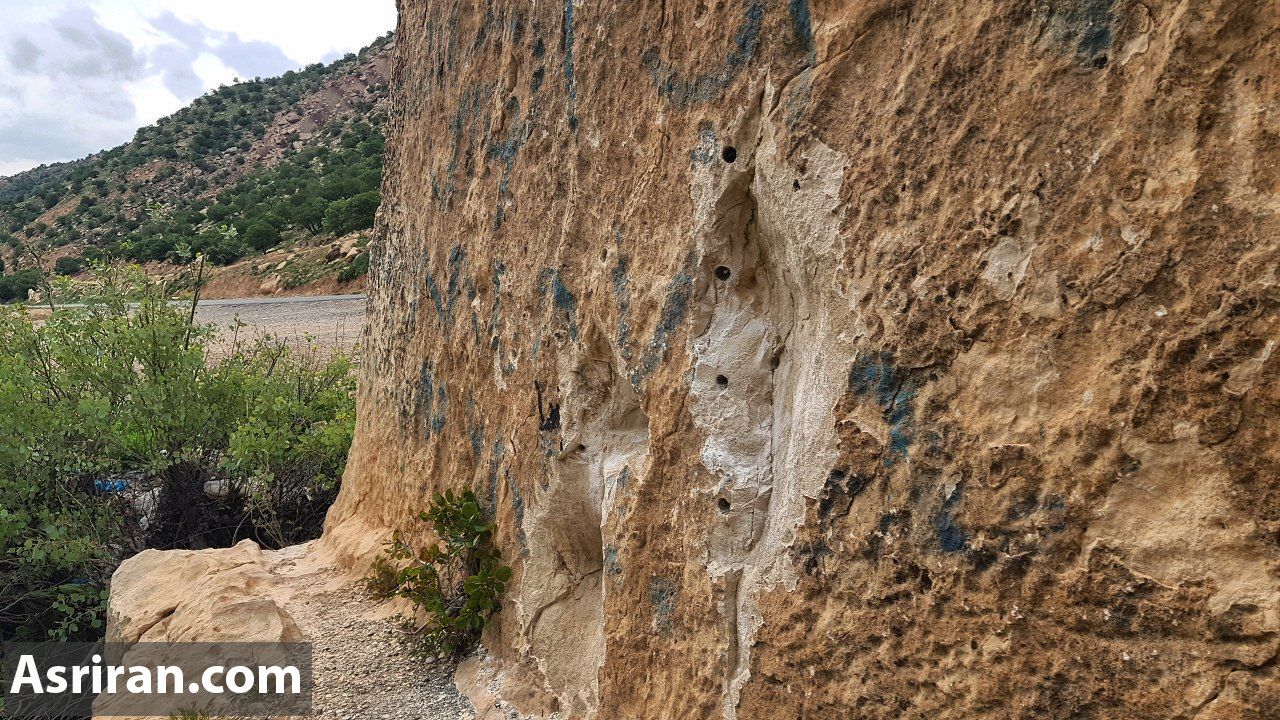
(78,76)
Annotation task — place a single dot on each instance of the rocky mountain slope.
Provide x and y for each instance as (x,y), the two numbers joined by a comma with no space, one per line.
(243,169)
(839,360)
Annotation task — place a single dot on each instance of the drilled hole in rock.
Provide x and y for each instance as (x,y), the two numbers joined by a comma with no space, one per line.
(795,184)
(722,381)
(730,153)
(723,273)
(723,504)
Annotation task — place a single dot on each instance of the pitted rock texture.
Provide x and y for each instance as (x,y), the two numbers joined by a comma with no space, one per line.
(840,360)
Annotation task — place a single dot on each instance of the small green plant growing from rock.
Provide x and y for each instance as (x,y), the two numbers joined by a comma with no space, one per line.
(455,583)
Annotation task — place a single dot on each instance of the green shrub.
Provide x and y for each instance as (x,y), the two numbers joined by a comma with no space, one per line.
(290,447)
(261,235)
(68,265)
(111,390)
(456,582)
(351,214)
(14,287)
(383,578)
(357,268)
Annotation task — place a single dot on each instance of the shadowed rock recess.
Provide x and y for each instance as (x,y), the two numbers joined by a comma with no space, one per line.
(840,360)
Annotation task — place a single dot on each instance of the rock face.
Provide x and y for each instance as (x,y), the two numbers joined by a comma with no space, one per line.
(836,360)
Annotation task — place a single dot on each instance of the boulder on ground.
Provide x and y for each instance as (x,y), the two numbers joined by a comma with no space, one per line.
(220,595)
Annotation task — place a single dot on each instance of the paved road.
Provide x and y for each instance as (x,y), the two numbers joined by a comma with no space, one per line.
(278,300)
(333,321)
(235,301)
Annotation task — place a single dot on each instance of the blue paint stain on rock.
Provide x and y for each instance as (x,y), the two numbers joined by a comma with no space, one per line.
(495,318)
(475,428)
(476,334)
(434,401)
(622,300)
(682,91)
(663,593)
(496,455)
(442,400)
(569,74)
(875,377)
(1095,31)
(563,303)
(611,566)
(457,258)
(506,152)
(517,508)
(437,298)
(951,537)
(802,21)
(1085,27)
(445,302)
(467,116)
(674,309)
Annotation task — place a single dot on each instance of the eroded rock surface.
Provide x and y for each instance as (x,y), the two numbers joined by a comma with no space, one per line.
(224,595)
(361,666)
(836,360)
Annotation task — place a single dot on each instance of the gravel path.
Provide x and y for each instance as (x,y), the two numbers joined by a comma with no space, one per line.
(362,671)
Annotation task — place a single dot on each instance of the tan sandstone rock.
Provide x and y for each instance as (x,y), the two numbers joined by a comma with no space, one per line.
(271,285)
(190,596)
(839,360)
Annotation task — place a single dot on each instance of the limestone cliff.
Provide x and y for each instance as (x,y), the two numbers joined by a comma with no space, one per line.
(841,360)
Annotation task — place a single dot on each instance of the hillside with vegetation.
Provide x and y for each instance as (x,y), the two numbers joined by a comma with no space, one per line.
(289,166)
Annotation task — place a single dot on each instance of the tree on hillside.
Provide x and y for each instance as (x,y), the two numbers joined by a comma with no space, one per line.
(260,235)
(68,265)
(356,213)
(309,214)
(15,287)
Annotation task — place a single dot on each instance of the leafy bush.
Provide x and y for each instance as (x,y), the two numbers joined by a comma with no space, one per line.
(290,448)
(358,267)
(105,405)
(351,214)
(456,582)
(68,265)
(383,579)
(14,287)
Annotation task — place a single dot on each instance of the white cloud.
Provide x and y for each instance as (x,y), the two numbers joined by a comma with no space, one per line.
(212,71)
(78,76)
(151,99)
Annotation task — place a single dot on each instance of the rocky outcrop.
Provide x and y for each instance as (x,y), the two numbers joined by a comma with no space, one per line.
(198,596)
(881,359)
